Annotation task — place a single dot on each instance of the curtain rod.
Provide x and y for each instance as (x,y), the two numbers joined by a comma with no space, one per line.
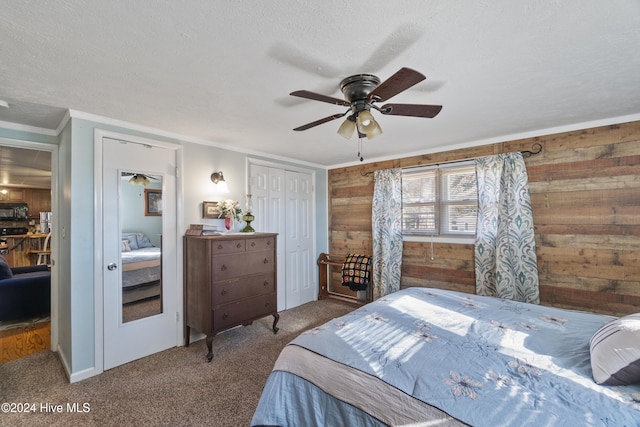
(535,149)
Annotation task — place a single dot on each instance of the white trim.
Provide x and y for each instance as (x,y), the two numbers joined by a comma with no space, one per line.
(98,275)
(497,139)
(63,122)
(83,375)
(99,135)
(63,359)
(159,132)
(267,163)
(55,224)
(23,143)
(27,128)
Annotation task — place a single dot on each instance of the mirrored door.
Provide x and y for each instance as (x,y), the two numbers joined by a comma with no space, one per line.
(141,252)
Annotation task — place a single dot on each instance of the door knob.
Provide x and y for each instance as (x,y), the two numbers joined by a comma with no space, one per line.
(112,266)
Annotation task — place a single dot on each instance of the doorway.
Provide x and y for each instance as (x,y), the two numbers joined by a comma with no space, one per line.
(284,202)
(138,204)
(29,176)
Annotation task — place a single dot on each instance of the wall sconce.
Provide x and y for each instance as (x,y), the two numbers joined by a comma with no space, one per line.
(218,179)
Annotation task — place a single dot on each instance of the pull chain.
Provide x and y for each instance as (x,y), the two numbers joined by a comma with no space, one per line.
(360,148)
(432,255)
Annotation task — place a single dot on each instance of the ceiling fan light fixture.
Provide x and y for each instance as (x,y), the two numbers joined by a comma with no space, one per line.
(139,179)
(347,128)
(376,131)
(365,121)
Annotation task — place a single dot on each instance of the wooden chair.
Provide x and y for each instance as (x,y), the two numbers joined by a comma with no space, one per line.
(44,254)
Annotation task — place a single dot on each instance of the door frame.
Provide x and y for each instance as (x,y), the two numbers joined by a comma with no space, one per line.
(98,278)
(55,242)
(282,238)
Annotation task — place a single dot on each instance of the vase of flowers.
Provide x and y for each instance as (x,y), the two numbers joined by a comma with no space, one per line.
(231,212)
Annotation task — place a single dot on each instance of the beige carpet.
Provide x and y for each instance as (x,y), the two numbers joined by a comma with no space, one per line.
(174,388)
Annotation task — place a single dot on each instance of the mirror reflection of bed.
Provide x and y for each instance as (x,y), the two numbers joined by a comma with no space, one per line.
(141,251)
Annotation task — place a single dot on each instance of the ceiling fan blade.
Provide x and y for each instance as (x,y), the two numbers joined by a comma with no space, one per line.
(413,110)
(321,121)
(301,59)
(319,97)
(392,47)
(402,80)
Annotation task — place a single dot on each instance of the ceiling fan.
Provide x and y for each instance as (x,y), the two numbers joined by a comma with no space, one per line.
(138,178)
(361,92)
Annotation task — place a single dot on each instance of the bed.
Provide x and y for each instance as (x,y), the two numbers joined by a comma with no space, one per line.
(141,267)
(425,356)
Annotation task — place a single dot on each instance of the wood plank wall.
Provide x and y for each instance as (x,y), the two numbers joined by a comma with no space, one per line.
(585,192)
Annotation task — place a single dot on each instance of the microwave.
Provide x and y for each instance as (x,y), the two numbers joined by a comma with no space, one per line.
(14,211)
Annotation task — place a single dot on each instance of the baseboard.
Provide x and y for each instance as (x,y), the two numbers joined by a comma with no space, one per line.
(63,360)
(74,377)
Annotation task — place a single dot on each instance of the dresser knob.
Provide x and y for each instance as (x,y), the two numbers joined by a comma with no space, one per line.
(219,246)
(224,316)
(253,244)
(266,283)
(266,261)
(239,245)
(223,268)
(268,242)
(224,292)
(267,304)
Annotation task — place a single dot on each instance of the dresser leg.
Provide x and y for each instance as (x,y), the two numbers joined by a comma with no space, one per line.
(276,317)
(209,342)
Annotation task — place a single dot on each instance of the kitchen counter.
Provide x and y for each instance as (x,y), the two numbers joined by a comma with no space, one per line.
(19,249)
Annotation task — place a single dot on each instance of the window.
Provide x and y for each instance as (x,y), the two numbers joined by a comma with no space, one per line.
(440,200)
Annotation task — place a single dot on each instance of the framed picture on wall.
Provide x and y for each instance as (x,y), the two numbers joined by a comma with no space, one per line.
(152,202)
(210,210)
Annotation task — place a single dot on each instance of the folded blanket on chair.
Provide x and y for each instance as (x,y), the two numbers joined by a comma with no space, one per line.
(355,272)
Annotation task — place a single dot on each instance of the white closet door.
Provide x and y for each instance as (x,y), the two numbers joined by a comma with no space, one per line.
(277,221)
(299,239)
(259,190)
(283,203)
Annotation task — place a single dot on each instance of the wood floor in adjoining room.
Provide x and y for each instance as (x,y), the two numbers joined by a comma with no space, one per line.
(22,340)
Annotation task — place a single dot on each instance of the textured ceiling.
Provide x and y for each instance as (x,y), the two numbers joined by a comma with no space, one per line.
(221,71)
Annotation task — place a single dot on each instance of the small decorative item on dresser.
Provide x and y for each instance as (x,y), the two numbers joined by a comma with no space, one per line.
(248,217)
(231,212)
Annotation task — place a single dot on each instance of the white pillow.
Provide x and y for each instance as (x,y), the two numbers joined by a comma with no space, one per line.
(125,246)
(615,352)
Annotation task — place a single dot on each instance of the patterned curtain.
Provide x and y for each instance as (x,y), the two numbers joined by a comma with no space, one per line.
(505,251)
(387,231)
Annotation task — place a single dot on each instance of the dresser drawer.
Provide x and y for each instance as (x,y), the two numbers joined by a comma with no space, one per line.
(261,244)
(244,287)
(228,246)
(237,313)
(232,266)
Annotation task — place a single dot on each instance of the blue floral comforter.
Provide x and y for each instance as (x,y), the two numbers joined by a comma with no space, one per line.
(482,361)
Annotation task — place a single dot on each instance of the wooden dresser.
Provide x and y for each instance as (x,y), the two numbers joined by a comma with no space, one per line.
(229,280)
